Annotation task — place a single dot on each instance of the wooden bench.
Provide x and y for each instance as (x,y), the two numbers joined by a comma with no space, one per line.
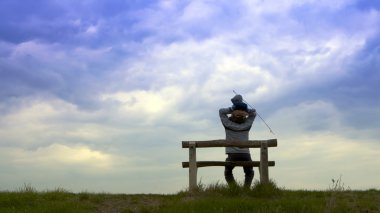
(193,164)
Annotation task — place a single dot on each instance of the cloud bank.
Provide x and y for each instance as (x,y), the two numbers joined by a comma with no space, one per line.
(100,94)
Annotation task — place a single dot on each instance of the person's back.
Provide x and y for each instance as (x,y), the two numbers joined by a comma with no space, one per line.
(236,131)
(237,121)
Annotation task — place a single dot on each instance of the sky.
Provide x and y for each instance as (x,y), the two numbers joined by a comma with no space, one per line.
(97,95)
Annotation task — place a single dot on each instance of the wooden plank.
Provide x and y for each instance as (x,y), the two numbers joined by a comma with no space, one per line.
(192,167)
(225,143)
(227,163)
(264,171)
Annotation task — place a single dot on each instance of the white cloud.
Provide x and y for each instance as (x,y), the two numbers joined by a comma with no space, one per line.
(273,6)
(63,155)
(92,29)
(219,65)
(41,122)
(197,11)
(312,160)
(147,106)
(37,50)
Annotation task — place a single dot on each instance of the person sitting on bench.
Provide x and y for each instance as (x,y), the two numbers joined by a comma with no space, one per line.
(237,121)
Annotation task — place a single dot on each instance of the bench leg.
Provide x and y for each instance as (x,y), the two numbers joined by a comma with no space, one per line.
(192,167)
(264,173)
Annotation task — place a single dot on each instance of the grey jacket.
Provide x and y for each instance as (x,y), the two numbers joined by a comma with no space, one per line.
(235,131)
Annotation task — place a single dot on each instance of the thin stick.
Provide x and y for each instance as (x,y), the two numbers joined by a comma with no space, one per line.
(270,129)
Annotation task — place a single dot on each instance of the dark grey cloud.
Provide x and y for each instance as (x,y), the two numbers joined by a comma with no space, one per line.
(361,83)
(355,94)
(359,91)
(118,22)
(41,69)
(326,20)
(367,5)
(65,22)
(60,28)
(27,20)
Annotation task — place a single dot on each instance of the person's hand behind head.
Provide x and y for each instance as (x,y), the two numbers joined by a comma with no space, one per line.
(239,116)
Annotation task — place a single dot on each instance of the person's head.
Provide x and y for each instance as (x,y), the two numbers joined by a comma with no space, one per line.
(237,99)
(238,116)
(240,106)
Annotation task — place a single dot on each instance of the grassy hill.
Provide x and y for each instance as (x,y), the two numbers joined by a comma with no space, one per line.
(212,198)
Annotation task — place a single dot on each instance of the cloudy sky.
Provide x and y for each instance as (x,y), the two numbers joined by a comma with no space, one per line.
(97,95)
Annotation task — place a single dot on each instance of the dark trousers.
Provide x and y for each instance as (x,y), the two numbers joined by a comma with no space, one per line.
(248,170)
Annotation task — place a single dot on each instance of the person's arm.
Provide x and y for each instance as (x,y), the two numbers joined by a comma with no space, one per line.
(223,112)
(251,116)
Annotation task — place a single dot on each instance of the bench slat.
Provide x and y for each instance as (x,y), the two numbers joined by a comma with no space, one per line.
(225,143)
(227,163)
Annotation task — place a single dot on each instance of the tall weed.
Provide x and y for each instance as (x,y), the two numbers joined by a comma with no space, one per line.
(338,192)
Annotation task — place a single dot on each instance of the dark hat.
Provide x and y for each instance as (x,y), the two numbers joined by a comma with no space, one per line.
(240,106)
(237,99)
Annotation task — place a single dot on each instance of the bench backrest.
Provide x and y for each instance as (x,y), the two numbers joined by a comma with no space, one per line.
(193,164)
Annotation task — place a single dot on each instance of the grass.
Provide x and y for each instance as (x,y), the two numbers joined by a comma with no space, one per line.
(208,198)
